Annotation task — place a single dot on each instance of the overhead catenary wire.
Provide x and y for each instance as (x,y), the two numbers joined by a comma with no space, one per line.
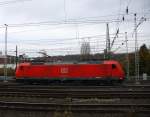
(59,23)
(63,22)
(72,39)
(118,23)
(51,52)
(68,22)
(74,44)
(118,26)
(12,2)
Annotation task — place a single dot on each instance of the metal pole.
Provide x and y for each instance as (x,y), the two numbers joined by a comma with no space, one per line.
(138,63)
(127,55)
(135,32)
(16,55)
(107,41)
(136,51)
(106,50)
(5,60)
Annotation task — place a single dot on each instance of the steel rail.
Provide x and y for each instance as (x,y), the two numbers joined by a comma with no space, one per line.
(4,89)
(60,86)
(73,89)
(75,107)
(123,95)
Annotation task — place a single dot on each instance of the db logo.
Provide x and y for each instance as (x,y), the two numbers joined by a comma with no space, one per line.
(64,70)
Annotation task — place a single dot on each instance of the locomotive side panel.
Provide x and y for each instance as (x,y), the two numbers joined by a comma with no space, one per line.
(65,71)
(36,71)
(108,70)
(94,71)
(79,71)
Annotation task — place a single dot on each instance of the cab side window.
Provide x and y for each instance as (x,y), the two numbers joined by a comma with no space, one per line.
(114,66)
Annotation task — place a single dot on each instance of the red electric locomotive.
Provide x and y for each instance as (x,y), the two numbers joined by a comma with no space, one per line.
(108,70)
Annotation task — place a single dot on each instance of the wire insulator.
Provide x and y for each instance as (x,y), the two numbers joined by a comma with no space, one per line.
(127,10)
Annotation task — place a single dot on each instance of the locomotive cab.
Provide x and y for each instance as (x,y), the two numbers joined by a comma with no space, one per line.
(117,71)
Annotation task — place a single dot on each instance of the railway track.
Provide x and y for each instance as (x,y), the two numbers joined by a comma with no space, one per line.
(74,107)
(61,86)
(138,91)
(78,101)
(75,110)
(77,94)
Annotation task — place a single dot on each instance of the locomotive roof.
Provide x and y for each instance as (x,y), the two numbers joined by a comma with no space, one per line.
(77,62)
(68,62)
(71,62)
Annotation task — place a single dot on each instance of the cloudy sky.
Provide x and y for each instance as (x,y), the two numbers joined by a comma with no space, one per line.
(61,26)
